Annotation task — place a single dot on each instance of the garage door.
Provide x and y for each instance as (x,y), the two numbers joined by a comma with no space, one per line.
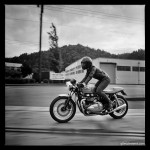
(110,69)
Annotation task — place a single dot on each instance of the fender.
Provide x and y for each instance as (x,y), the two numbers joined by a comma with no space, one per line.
(63,95)
(123,92)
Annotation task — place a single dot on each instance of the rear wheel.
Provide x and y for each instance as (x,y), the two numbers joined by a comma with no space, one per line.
(58,111)
(121,112)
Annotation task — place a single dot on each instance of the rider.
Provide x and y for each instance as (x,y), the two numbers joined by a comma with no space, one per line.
(100,75)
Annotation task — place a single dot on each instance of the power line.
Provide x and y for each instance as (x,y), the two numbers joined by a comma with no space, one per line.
(99,17)
(66,26)
(95,12)
(19,19)
(43,22)
(22,43)
(100,12)
(84,13)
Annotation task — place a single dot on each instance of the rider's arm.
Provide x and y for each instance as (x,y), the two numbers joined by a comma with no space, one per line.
(90,76)
(83,80)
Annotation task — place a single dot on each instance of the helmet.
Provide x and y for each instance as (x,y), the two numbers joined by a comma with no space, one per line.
(86,63)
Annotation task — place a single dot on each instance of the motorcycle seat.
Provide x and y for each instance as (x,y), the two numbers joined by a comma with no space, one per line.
(113,90)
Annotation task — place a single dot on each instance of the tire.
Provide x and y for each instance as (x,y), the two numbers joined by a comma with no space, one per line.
(60,115)
(124,110)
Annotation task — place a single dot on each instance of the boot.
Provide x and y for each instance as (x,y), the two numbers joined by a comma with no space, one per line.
(107,101)
(109,106)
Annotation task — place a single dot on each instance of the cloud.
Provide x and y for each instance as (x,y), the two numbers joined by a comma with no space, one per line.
(103,27)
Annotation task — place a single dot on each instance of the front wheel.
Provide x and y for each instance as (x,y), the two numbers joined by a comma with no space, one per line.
(57,111)
(121,112)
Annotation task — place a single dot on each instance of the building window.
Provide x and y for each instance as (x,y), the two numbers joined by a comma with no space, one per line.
(78,67)
(142,69)
(72,69)
(79,71)
(67,71)
(123,68)
(134,68)
(72,73)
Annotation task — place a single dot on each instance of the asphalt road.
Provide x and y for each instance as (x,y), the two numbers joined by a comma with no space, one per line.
(36,127)
(35,139)
(19,100)
(41,96)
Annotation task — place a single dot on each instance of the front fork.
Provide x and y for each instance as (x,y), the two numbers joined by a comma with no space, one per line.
(67,101)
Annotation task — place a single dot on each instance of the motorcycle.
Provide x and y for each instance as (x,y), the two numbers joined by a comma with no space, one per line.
(63,108)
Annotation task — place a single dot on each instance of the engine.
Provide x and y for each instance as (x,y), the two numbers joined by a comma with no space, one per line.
(90,102)
(88,107)
(92,105)
(96,107)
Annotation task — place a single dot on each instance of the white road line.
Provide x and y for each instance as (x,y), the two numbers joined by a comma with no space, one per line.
(46,109)
(26,108)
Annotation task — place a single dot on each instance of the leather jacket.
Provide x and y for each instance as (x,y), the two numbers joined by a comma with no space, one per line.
(95,73)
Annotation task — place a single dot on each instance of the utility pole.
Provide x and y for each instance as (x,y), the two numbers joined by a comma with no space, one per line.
(40,43)
(138,72)
(60,61)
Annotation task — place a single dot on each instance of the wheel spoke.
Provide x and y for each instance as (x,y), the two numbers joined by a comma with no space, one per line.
(59,112)
(120,111)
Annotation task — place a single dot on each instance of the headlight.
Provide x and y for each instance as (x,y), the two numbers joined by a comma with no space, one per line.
(69,85)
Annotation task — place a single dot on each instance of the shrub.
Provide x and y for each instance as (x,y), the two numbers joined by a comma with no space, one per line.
(10,80)
(45,80)
(32,80)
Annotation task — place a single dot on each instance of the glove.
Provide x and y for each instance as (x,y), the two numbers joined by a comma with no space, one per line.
(81,85)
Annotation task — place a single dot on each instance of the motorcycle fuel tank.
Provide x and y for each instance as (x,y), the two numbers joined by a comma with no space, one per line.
(88,89)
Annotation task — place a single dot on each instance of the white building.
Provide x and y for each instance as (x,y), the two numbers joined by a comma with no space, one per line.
(120,71)
(13,66)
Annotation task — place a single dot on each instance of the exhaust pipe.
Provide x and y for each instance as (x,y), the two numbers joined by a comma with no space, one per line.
(120,107)
(92,109)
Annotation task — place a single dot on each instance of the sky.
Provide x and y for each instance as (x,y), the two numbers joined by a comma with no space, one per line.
(116,29)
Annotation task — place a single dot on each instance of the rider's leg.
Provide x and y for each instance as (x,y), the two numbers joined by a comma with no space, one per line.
(99,90)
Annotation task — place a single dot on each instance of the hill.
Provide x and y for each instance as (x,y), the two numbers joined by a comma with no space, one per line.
(70,53)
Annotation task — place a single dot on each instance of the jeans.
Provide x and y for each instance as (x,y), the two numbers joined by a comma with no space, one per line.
(100,86)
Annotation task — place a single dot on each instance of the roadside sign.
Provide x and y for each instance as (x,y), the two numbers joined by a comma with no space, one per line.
(57,76)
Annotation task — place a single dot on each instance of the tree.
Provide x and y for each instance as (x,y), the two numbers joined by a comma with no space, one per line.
(53,59)
(54,45)
(53,37)
(25,69)
(12,73)
(70,54)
